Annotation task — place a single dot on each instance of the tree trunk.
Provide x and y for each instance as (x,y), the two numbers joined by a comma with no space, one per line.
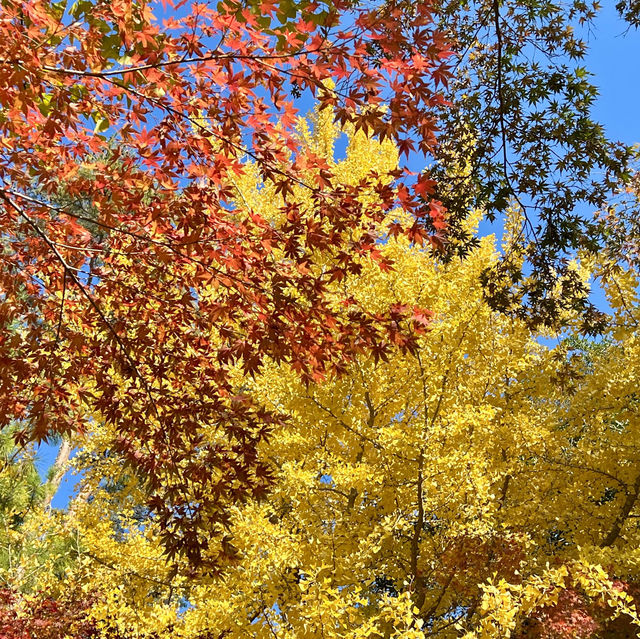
(56,472)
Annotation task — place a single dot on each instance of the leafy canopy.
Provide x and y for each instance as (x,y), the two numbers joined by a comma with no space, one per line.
(481,485)
(124,129)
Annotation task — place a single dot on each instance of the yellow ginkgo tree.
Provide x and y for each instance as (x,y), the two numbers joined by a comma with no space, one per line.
(484,484)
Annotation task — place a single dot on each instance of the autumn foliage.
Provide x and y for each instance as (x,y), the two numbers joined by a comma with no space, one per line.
(124,128)
(43,617)
(482,485)
(303,396)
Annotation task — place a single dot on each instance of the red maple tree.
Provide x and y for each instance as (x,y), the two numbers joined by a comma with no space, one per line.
(122,126)
(45,617)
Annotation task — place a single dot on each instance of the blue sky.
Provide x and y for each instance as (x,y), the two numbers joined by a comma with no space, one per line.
(614,59)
